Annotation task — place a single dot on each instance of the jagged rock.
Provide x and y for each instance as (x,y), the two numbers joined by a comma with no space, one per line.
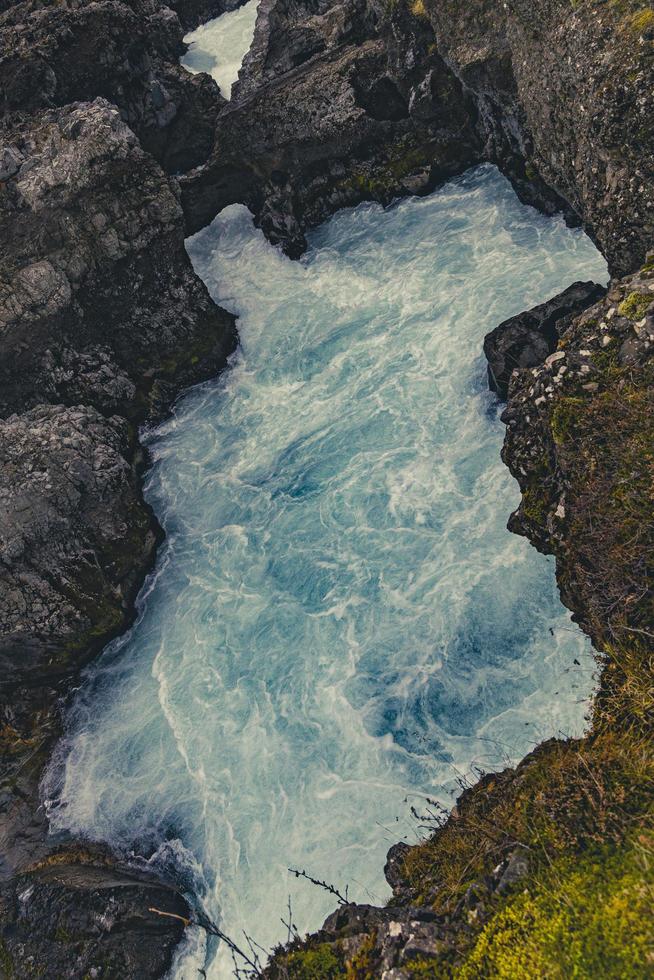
(304,136)
(517,867)
(194,12)
(563,102)
(393,869)
(533,89)
(75,539)
(577,430)
(98,300)
(127,52)
(101,319)
(289,33)
(112,932)
(526,340)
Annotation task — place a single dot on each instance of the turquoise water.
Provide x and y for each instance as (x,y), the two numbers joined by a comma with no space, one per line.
(339,622)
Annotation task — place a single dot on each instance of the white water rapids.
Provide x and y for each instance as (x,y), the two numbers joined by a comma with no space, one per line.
(339,623)
(219,46)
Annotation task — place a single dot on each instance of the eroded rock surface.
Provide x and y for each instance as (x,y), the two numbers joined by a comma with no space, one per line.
(102,321)
(350,99)
(98,299)
(78,919)
(127,52)
(333,105)
(526,340)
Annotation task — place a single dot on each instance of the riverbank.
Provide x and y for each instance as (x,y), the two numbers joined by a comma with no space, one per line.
(103,311)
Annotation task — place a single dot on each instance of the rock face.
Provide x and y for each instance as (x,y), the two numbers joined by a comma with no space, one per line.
(348,100)
(102,321)
(579,441)
(126,52)
(333,105)
(525,340)
(88,920)
(70,499)
(194,12)
(87,217)
(562,95)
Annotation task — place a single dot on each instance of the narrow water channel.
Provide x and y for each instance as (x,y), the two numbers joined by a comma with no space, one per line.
(219,46)
(339,622)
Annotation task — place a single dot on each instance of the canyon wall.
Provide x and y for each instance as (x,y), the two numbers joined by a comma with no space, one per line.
(110,155)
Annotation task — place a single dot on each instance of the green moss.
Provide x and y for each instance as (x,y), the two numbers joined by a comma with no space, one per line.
(606,360)
(422,969)
(534,505)
(386,179)
(635,305)
(642,21)
(319,963)
(564,416)
(361,965)
(582,918)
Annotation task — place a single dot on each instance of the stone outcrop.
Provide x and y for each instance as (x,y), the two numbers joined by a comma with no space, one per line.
(75,539)
(580,432)
(526,340)
(125,52)
(98,300)
(349,105)
(562,93)
(75,916)
(102,322)
(349,100)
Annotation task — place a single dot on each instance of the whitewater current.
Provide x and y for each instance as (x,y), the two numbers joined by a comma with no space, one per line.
(339,623)
(219,46)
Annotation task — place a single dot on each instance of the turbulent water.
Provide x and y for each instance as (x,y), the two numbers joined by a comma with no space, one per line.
(219,46)
(339,622)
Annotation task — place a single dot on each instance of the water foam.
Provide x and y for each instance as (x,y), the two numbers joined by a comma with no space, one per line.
(340,622)
(219,46)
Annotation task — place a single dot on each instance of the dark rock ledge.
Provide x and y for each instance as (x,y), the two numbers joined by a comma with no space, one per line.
(110,154)
(525,340)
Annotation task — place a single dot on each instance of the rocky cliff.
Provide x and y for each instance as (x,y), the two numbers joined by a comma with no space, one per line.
(110,155)
(102,321)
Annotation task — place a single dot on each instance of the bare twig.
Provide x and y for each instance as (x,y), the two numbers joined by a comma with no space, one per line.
(342,899)
(170,915)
